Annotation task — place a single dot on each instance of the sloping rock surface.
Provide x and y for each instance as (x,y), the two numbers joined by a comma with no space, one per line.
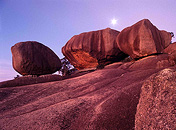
(89,49)
(27,80)
(156,108)
(34,58)
(100,100)
(142,39)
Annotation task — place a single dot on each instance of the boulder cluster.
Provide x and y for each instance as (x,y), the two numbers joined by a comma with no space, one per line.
(92,49)
(105,46)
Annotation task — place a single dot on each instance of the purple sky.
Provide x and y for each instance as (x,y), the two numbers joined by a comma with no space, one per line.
(54,22)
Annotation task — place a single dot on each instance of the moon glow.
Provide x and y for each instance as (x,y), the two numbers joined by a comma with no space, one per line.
(113,21)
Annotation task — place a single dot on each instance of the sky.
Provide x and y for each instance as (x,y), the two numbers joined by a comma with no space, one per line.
(54,22)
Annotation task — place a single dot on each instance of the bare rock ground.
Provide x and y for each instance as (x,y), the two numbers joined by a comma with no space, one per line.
(99,100)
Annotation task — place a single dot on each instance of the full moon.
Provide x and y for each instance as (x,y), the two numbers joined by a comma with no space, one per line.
(113,21)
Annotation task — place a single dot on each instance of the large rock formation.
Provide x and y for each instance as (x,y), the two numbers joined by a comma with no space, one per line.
(142,39)
(101,100)
(33,58)
(89,49)
(156,108)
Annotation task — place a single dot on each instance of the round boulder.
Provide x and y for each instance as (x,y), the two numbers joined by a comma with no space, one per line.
(89,49)
(34,58)
(142,39)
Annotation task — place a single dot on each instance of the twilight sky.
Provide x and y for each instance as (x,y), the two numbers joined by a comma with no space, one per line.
(54,22)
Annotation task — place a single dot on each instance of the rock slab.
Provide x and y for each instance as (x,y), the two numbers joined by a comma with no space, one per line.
(142,39)
(29,79)
(104,99)
(89,49)
(157,103)
(34,58)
